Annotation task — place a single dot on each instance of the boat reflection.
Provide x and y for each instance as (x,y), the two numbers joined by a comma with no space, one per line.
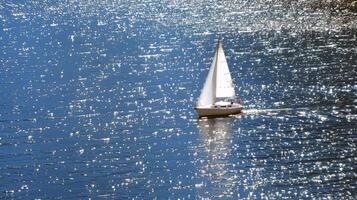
(215,171)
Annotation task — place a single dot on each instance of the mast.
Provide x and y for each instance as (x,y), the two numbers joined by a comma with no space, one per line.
(215,70)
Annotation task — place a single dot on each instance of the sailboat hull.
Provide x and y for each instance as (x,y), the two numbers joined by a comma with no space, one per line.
(213,112)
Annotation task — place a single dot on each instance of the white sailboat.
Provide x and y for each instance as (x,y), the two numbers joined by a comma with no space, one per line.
(218,97)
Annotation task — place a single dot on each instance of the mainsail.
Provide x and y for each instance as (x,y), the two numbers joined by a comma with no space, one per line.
(219,82)
(224,85)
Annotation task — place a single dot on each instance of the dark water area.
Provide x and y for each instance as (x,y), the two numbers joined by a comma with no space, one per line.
(97,97)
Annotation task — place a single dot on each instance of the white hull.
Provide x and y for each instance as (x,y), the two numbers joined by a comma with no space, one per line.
(211,112)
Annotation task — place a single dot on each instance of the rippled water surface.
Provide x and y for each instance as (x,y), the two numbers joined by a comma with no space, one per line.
(96,101)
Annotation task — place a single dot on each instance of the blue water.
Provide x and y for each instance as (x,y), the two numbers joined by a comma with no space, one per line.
(97,97)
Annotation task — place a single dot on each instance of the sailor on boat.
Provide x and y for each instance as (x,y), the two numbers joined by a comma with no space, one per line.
(218,97)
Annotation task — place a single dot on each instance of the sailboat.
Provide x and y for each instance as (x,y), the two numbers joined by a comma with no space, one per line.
(218,97)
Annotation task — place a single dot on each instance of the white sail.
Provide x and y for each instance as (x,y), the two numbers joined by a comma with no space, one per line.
(224,85)
(208,93)
(219,82)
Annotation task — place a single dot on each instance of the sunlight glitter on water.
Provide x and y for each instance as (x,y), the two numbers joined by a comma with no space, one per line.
(97,99)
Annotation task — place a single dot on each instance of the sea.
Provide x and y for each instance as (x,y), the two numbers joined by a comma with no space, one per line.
(97,100)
